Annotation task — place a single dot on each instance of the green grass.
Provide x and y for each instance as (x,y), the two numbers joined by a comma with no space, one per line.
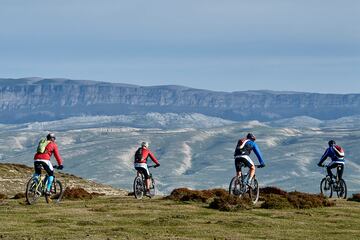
(127,218)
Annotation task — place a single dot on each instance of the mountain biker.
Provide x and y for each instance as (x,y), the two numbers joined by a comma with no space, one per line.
(337,159)
(140,163)
(43,160)
(242,155)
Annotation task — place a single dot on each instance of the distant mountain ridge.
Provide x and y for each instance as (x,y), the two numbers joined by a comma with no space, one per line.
(37,99)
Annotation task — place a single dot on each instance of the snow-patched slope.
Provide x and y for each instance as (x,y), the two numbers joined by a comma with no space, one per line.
(149,120)
(192,157)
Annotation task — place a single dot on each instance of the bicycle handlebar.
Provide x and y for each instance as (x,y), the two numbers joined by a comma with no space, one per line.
(152,166)
(56,167)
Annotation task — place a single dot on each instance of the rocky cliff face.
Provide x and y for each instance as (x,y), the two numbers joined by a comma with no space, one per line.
(45,99)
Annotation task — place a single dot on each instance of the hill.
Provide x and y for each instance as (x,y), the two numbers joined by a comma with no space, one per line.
(29,99)
(194,151)
(13,179)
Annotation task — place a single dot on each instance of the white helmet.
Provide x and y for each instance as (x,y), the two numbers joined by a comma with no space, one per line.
(145,144)
(50,136)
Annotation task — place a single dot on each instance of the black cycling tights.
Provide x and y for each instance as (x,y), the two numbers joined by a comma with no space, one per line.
(340,170)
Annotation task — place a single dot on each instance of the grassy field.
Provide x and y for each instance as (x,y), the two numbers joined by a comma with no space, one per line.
(127,218)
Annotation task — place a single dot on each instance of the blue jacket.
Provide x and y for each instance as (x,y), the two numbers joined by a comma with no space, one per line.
(249,146)
(331,154)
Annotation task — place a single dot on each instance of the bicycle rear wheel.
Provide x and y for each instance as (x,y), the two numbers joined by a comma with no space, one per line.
(326,187)
(254,191)
(56,192)
(152,188)
(138,187)
(341,190)
(235,187)
(33,190)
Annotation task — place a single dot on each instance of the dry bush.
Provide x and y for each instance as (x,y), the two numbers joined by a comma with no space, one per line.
(231,203)
(274,201)
(79,193)
(185,194)
(355,197)
(306,200)
(19,196)
(296,200)
(3,196)
(272,190)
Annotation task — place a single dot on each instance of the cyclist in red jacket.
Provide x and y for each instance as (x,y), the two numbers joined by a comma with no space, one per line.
(43,160)
(140,163)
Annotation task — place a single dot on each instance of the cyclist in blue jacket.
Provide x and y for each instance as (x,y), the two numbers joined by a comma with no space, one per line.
(242,155)
(337,155)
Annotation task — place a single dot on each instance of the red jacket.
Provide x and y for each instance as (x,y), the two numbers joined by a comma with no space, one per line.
(147,153)
(49,150)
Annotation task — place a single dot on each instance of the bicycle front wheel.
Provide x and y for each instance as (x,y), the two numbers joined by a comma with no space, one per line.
(341,190)
(138,187)
(56,192)
(254,191)
(326,187)
(235,187)
(33,190)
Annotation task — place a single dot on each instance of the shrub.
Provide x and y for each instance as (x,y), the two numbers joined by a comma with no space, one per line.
(78,193)
(274,201)
(185,194)
(272,190)
(306,200)
(296,200)
(19,196)
(230,203)
(355,197)
(3,196)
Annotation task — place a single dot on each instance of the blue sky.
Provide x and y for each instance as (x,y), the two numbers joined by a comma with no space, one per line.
(219,45)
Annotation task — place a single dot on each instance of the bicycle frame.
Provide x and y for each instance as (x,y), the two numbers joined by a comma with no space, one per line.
(140,188)
(238,187)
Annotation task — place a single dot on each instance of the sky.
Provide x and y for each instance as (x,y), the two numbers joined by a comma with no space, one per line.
(221,45)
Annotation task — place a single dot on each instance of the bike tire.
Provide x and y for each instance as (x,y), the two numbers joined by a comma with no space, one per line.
(31,193)
(342,189)
(326,188)
(235,187)
(254,191)
(56,192)
(138,187)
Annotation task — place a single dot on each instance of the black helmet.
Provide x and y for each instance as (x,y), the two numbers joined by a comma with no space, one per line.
(50,136)
(251,136)
(331,143)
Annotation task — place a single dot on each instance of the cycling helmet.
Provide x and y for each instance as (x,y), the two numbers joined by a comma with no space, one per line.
(145,144)
(331,143)
(251,136)
(50,136)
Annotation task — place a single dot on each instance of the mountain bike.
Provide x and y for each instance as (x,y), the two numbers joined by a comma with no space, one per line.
(239,188)
(328,185)
(36,187)
(140,185)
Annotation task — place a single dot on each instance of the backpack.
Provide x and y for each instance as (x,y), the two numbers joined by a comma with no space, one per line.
(42,145)
(339,151)
(138,155)
(240,147)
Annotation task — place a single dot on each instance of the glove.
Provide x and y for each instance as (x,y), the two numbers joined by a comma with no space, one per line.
(262,165)
(60,167)
(320,165)
(157,165)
